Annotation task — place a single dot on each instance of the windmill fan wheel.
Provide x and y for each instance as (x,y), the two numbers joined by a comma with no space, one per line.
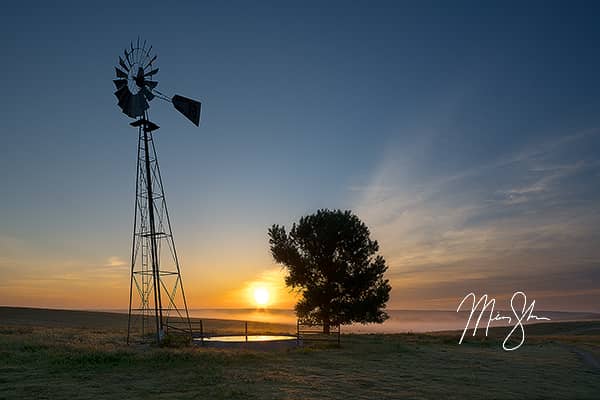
(135,83)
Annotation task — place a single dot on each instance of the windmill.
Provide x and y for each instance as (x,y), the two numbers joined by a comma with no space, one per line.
(156,297)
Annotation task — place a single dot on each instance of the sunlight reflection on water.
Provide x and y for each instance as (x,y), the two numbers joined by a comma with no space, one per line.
(250,338)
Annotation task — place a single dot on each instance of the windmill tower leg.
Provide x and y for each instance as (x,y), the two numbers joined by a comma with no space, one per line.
(155,271)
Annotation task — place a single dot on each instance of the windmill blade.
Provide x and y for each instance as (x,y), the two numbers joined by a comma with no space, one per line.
(127,57)
(151,61)
(131,108)
(121,93)
(120,74)
(119,83)
(124,96)
(151,84)
(147,93)
(122,64)
(188,107)
(154,71)
(137,106)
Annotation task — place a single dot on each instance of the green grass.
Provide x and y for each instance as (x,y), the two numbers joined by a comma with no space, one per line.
(46,361)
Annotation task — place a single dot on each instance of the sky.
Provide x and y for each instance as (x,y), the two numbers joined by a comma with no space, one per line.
(466,136)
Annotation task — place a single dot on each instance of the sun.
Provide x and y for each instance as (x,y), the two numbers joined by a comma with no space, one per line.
(261,296)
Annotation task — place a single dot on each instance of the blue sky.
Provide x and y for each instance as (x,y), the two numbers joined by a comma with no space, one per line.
(466,136)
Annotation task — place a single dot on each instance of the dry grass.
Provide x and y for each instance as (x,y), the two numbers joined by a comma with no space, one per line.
(88,359)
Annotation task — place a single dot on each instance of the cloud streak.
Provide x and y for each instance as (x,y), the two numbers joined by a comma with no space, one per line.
(505,225)
(115,262)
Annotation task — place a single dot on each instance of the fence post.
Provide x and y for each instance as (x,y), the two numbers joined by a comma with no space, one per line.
(298,332)
(339,333)
(201,332)
(246,329)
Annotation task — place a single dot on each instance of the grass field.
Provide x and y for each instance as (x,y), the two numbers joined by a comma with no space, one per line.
(49,354)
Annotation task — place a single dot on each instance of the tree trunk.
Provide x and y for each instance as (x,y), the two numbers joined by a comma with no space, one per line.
(326,326)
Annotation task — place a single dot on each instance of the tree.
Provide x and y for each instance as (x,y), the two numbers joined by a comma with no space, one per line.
(331,261)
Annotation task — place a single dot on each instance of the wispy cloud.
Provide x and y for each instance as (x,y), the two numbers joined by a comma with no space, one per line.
(114,262)
(527,215)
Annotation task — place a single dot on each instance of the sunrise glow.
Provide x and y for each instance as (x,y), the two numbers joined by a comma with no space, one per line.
(261,297)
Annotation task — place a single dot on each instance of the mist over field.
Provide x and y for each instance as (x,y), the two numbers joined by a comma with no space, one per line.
(400,321)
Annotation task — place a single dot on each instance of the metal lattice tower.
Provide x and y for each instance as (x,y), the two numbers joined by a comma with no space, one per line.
(155,271)
(157,300)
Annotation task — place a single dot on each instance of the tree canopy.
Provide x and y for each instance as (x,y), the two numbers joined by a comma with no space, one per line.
(333,263)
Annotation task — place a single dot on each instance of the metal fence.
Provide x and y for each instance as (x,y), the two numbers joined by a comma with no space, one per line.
(314,332)
(202,329)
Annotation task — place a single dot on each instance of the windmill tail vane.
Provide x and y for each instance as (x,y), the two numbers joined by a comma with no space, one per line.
(157,302)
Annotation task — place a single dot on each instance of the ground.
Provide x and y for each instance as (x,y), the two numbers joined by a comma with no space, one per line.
(48,355)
